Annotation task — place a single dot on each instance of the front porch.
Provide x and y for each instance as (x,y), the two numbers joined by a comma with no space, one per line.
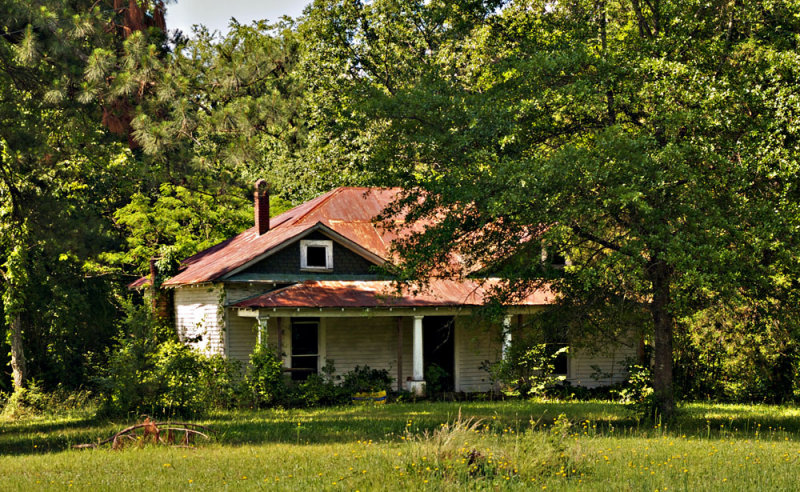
(403,341)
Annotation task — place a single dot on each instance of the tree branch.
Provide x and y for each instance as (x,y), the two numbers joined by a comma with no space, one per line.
(581,232)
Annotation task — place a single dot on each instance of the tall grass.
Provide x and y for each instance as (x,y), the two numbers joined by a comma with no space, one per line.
(441,446)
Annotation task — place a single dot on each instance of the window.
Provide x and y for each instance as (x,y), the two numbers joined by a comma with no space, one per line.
(316,255)
(555,257)
(305,347)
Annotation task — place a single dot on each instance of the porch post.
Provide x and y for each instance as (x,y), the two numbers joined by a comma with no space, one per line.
(417,386)
(399,353)
(418,371)
(279,321)
(262,322)
(506,336)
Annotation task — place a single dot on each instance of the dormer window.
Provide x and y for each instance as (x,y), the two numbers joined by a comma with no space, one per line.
(553,257)
(316,255)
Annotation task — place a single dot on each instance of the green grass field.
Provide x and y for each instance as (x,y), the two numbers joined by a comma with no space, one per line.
(500,445)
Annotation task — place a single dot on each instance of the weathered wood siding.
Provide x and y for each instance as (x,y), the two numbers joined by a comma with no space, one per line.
(199,312)
(352,342)
(478,342)
(474,343)
(610,360)
(242,334)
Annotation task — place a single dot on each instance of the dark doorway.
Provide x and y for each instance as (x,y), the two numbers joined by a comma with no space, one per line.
(305,347)
(438,352)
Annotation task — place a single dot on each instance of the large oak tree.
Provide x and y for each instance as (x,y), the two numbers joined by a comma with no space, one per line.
(655,142)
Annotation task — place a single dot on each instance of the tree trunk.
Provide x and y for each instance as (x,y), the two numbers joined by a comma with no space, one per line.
(660,276)
(18,369)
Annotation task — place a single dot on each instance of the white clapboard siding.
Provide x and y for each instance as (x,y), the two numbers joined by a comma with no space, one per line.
(242,332)
(198,312)
(475,343)
(243,335)
(609,359)
(352,342)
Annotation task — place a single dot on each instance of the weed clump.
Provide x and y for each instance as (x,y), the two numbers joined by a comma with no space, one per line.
(469,450)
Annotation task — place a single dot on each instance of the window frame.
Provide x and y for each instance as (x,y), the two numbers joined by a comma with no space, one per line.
(324,243)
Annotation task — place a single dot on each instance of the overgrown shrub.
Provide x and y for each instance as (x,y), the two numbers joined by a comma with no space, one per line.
(225,382)
(527,369)
(150,371)
(265,379)
(30,400)
(363,379)
(177,372)
(637,391)
(436,379)
(322,389)
(737,353)
(33,400)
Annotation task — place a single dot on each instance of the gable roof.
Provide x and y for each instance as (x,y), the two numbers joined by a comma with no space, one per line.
(348,212)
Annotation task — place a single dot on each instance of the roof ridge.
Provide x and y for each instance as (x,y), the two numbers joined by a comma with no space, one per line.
(330,194)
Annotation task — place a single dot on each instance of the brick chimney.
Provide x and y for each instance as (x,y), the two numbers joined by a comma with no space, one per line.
(261,209)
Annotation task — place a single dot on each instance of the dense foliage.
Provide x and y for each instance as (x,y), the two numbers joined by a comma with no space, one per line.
(653,144)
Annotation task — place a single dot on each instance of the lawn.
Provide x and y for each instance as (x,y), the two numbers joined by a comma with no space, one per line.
(491,445)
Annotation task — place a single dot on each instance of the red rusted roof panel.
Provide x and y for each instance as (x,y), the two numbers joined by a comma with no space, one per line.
(348,211)
(382,293)
(219,260)
(139,283)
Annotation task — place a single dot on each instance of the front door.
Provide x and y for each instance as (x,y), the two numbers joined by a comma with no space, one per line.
(305,347)
(438,349)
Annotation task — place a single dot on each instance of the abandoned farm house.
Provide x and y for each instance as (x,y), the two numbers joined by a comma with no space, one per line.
(304,282)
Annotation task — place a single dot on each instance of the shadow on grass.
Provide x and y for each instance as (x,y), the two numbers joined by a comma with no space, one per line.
(390,422)
(43,436)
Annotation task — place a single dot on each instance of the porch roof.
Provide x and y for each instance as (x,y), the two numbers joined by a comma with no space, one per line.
(383,293)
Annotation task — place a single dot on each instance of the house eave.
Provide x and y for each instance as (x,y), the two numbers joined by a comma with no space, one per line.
(366,312)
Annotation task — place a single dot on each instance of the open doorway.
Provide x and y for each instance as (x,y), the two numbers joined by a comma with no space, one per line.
(438,349)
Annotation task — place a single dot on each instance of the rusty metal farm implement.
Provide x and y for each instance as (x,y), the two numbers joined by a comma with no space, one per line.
(181,434)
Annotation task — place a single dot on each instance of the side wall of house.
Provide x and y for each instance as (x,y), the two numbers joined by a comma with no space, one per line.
(199,318)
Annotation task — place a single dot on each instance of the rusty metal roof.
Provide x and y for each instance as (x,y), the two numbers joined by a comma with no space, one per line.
(348,211)
(383,293)
(139,283)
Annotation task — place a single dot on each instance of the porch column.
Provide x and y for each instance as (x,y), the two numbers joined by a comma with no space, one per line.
(417,385)
(418,371)
(262,323)
(506,336)
(399,353)
(280,336)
